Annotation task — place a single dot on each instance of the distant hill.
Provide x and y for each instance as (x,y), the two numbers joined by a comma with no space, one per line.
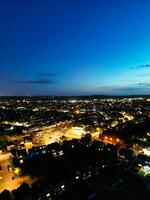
(71,97)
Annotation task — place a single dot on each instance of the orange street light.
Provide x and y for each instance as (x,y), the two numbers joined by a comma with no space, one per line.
(77,112)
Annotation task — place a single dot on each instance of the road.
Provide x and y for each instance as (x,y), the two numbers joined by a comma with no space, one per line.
(4,157)
(6,181)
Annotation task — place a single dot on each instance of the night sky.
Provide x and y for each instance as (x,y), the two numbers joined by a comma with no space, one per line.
(74,47)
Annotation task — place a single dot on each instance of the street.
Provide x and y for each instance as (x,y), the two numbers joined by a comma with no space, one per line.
(6,181)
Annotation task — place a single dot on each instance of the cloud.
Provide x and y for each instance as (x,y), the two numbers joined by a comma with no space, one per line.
(42,78)
(130,89)
(144,84)
(144,66)
(38,81)
(141,66)
(138,87)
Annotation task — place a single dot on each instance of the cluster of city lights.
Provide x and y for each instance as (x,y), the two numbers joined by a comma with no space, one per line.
(111,139)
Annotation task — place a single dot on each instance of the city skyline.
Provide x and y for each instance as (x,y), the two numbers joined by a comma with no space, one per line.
(74,47)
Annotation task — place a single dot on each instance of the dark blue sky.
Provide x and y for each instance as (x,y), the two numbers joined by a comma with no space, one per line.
(74,47)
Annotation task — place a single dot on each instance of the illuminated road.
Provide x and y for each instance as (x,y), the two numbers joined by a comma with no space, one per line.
(4,157)
(6,181)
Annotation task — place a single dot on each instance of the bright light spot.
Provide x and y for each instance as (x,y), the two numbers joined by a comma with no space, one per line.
(146,151)
(78,130)
(17,170)
(21,161)
(11,128)
(28,145)
(98,129)
(146,169)
(61,153)
(48,195)
(62,187)
(77,111)
(77,177)
(73,101)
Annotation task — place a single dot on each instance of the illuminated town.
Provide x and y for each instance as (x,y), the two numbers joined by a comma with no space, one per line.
(75,100)
(52,146)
